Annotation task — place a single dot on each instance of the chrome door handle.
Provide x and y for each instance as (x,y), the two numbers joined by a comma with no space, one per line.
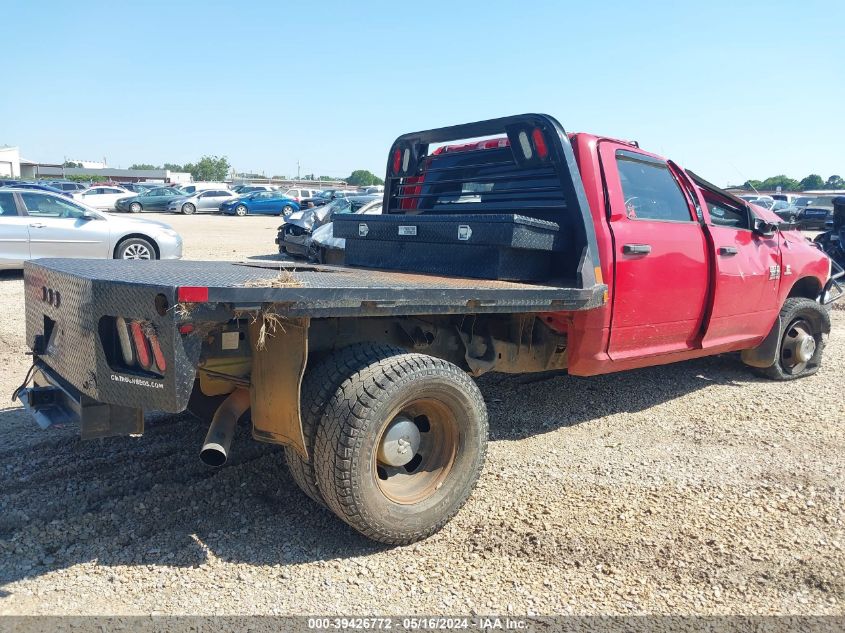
(38,225)
(636,249)
(728,251)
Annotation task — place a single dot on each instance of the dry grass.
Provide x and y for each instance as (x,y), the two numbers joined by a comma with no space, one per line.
(147,328)
(270,322)
(285,279)
(184,310)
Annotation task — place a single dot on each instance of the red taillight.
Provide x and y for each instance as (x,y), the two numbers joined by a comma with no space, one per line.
(192,294)
(158,355)
(141,348)
(397,160)
(540,143)
(186,328)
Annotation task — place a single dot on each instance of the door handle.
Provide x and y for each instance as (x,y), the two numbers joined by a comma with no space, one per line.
(636,249)
(38,225)
(727,251)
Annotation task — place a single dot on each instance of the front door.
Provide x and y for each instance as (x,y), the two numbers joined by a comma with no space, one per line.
(58,228)
(263,202)
(661,275)
(748,272)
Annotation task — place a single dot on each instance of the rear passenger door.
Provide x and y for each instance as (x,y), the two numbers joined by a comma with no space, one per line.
(661,272)
(14,233)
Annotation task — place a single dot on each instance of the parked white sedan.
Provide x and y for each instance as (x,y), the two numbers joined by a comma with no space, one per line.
(102,197)
(37,224)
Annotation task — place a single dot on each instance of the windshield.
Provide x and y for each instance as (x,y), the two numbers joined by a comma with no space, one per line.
(780,204)
(339,205)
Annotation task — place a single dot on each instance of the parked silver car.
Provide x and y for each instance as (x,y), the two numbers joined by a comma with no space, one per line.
(201,201)
(37,224)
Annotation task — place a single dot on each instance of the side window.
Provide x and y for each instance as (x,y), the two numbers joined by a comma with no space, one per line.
(724,213)
(7,204)
(651,191)
(49,206)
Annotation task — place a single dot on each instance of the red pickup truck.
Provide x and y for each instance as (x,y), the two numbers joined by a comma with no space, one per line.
(364,375)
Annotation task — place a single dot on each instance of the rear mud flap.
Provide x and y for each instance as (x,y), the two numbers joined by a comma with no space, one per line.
(279,355)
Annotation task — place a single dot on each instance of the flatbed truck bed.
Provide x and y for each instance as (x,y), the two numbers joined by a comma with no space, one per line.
(304,290)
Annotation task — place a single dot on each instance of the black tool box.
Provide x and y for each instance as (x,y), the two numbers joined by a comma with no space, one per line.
(485,246)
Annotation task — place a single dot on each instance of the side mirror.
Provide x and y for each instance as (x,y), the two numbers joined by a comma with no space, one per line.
(763,228)
(89,215)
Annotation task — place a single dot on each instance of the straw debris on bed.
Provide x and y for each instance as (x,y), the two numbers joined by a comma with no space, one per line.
(184,310)
(284,279)
(270,322)
(148,329)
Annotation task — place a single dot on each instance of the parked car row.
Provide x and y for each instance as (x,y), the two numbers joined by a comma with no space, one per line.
(808,212)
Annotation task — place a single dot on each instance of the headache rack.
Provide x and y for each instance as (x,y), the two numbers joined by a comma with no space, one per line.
(521,165)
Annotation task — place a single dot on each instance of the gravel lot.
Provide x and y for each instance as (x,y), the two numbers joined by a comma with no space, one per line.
(691,489)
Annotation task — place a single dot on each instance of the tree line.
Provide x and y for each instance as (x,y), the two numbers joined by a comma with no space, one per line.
(207,168)
(810,183)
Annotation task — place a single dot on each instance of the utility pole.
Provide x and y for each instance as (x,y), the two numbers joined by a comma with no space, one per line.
(297,170)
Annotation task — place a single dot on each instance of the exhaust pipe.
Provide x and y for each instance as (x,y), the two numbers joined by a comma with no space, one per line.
(215,449)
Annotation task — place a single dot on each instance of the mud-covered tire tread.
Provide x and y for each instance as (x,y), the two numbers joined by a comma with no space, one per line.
(318,385)
(344,422)
(788,313)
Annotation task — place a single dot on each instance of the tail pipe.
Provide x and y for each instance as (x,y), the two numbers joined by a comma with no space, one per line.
(215,448)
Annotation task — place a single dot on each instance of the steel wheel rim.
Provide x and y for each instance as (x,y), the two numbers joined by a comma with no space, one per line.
(433,460)
(287,210)
(136,251)
(241,210)
(797,347)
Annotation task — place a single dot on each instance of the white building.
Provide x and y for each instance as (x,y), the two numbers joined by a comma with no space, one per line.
(10,162)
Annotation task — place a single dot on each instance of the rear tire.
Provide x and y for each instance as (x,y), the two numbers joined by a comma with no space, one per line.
(320,382)
(135,248)
(287,210)
(799,352)
(402,406)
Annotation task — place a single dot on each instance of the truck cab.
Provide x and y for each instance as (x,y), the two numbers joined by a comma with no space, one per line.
(691,269)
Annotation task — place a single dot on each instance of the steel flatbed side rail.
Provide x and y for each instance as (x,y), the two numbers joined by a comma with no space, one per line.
(328,291)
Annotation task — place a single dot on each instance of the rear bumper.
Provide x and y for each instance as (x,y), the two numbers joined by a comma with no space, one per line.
(52,401)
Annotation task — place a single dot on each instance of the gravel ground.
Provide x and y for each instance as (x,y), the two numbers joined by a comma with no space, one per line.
(689,489)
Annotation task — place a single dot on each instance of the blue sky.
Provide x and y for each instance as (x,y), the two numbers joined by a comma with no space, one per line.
(732,90)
